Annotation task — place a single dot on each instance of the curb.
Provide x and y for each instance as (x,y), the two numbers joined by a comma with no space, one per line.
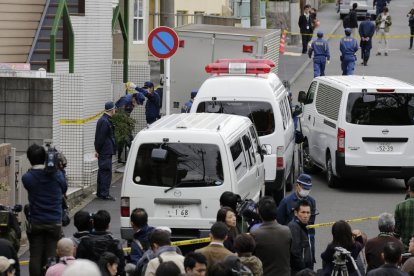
(309,60)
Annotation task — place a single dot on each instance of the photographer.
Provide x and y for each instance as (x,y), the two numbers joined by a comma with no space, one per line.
(45,191)
(344,237)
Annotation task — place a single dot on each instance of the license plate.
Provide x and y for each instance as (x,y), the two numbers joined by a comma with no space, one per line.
(178,211)
(385,147)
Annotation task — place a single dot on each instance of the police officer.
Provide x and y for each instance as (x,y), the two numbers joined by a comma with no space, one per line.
(366,32)
(348,46)
(187,106)
(129,101)
(152,107)
(320,48)
(381,4)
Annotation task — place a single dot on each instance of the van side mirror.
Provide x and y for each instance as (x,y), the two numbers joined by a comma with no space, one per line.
(266,149)
(159,154)
(302,97)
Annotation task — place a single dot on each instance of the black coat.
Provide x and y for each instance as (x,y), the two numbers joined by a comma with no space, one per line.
(353,19)
(300,252)
(305,24)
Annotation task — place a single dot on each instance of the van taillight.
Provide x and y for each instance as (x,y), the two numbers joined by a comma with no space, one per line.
(279,158)
(247,48)
(341,140)
(124,206)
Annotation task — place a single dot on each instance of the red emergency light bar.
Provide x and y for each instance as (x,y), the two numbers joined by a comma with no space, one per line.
(237,68)
(382,90)
(258,61)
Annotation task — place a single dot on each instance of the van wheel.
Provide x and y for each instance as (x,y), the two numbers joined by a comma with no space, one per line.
(308,166)
(333,181)
(291,178)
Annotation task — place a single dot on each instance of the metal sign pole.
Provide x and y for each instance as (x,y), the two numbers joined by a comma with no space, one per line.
(167,85)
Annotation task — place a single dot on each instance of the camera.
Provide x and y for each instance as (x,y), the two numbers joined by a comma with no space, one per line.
(340,255)
(247,209)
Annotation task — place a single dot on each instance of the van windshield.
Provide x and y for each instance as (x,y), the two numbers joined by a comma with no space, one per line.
(185,165)
(260,113)
(391,109)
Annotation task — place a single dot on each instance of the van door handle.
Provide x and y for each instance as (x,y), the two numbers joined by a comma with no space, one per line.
(257,172)
(313,121)
(309,117)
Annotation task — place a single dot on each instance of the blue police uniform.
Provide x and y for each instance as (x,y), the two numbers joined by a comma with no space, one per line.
(152,107)
(348,46)
(187,107)
(125,102)
(320,50)
(366,32)
(105,147)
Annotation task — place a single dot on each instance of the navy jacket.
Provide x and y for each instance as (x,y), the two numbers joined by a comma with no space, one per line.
(140,243)
(125,102)
(104,136)
(45,193)
(367,29)
(152,107)
(381,3)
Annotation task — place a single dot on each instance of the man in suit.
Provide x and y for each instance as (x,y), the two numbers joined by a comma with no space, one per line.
(273,241)
(215,251)
(392,258)
(306,28)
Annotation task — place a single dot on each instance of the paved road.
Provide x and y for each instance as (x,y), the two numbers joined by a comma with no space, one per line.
(362,198)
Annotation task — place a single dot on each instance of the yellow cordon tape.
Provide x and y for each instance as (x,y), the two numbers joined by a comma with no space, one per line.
(179,243)
(313,226)
(357,36)
(81,121)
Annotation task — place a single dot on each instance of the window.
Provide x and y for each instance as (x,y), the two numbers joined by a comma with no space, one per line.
(248,147)
(385,109)
(283,112)
(260,113)
(256,142)
(139,21)
(311,93)
(328,101)
(239,160)
(186,165)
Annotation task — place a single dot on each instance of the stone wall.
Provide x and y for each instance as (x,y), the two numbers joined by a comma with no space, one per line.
(5,188)
(26,111)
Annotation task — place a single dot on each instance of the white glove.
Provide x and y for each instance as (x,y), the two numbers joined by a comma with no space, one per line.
(130,86)
(328,61)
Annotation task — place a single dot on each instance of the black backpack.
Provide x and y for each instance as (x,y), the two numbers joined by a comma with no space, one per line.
(99,244)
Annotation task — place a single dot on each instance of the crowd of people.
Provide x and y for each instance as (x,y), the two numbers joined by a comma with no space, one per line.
(270,240)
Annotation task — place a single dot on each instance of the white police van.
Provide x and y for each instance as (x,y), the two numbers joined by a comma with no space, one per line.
(247,87)
(180,165)
(356,126)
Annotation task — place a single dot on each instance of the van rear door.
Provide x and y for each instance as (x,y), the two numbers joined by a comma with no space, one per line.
(180,187)
(379,128)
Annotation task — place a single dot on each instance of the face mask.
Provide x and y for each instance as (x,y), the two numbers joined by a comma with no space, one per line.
(304,193)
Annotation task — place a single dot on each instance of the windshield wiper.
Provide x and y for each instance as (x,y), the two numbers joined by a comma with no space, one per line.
(188,182)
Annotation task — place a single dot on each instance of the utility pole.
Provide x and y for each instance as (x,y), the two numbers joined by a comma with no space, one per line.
(294,18)
(167,13)
(255,13)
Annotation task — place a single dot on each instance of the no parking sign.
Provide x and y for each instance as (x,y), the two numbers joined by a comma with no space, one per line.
(163,42)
